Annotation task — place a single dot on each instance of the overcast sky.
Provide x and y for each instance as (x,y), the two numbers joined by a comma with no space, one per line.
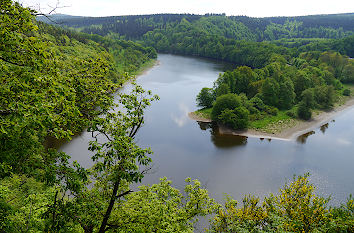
(253,8)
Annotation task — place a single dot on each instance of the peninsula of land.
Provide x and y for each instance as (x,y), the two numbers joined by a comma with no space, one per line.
(289,130)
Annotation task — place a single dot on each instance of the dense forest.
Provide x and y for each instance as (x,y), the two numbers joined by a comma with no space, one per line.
(228,38)
(246,97)
(259,29)
(57,82)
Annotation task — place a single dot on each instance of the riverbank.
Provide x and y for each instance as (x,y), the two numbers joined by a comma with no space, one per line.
(288,130)
(146,67)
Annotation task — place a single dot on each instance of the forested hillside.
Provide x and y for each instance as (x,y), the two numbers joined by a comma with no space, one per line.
(54,80)
(215,35)
(259,29)
(54,83)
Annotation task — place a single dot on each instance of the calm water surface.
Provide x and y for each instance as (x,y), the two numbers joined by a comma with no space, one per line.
(230,164)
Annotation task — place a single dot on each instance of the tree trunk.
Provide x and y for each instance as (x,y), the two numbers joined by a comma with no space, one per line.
(110,207)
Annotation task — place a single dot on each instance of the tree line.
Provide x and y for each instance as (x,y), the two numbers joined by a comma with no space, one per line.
(313,80)
(271,28)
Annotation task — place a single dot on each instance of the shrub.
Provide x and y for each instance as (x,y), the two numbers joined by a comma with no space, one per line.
(205,98)
(296,208)
(291,113)
(271,110)
(236,119)
(257,103)
(252,110)
(304,112)
(346,92)
(228,101)
(222,89)
(324,96)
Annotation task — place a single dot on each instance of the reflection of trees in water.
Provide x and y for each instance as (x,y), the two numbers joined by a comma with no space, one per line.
(303,138)
(204,125)
(54,143)
(324,128)
(222,140)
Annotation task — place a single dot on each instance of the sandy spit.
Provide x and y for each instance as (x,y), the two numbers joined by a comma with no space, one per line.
(300,128)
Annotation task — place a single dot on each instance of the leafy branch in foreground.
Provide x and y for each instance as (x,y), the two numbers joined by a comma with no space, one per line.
(117,157)
(295,209)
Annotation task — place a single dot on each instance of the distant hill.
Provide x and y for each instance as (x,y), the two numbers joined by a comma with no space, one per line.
(333,26)
(57,18)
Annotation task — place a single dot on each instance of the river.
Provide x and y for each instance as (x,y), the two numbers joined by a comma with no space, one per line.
(229,164)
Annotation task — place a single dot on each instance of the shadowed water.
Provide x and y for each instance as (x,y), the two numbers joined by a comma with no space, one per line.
(229,164)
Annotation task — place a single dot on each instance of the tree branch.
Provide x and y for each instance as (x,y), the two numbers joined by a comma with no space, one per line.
(11,62)
(135,129)
(123,194)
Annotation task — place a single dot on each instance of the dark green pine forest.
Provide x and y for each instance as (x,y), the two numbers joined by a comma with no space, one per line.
(59,79)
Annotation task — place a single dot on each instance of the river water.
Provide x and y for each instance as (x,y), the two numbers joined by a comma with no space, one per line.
(229,164)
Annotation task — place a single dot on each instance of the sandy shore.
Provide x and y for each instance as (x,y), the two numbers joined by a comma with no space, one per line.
(196,117)
(299,127)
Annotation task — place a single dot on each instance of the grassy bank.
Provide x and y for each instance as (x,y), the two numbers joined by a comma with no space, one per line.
(268,123)
(273,124)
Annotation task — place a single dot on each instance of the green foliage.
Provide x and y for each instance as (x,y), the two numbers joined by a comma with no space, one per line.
(270,92)
(291,113)
(54,82)
(308,98)
(308,82)
(303,111)
(205,98)
(40,96)
(241,77)
(271,110)
(286,94)
(348,72)
(265,122)
(288,31)
(258,103)
(302,81)
(205,112)
(222,89)
(228,101)
(346,92)
(301,209)
(295,209)
(336,61)
(306,104)
(235,119)
(124,56)
(342,218)
(23,202)
(324,96)
(118,158)
(163,208)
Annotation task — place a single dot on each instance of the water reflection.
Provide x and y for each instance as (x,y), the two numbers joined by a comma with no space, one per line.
(54,143)
(324,127)
(226,140)
(204,125)
(182,118)
(303,138)
(222,140)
